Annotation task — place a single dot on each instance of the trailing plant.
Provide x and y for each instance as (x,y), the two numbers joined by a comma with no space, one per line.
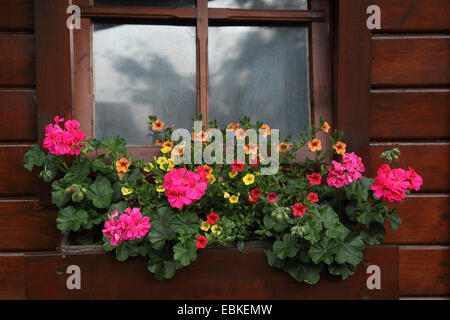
(315,216)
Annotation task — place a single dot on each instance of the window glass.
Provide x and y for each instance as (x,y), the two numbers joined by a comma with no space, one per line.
(261,72)
(142,70)
(260,4)
(146,3)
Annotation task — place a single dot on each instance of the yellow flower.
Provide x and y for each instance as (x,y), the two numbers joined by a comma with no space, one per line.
(211,178)
(166,149)
(248,179)
(234,199)
(226,195)
(214,229)
(158,181)
(232,174)
(161,160)
(126,191)
(171,164)
(160,189)
(205,226)
(148,167)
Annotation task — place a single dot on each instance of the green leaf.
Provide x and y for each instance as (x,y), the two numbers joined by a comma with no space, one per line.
(188,221)
(351,249)
(344,270)
(94,218)
(324,251)
(81,169)
(116,145)
(328,216)
(119,206)
(273,259)
(268,222)
(59,194)
(288,247)
(100,194)
(100,166)
(70,218)
(374,235)
(394,219)
(33,157)
(185,252)
(161,264)
(240,245)
(303,272)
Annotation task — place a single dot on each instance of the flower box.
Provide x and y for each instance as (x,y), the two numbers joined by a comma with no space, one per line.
(219,273)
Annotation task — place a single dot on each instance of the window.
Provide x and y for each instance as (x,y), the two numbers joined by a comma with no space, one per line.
(269,59)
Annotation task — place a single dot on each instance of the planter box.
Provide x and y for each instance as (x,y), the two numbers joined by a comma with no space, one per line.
(218,273)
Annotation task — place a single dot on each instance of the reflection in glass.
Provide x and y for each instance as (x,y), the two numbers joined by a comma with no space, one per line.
(261,72)
(142,70)
(146,3)
(260,4)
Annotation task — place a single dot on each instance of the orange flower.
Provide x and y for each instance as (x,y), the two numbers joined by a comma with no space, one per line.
(283,147)
(200,136)
(240,134)
(251,148)
(266,130)
(315,145)
(340,148)
(158,142)
(178,150)
(157,125)
(325,127)
(168,144)
(208,169)
(233,126)
(122,166)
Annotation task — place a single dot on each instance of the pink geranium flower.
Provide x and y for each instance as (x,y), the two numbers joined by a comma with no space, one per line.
(343,174)
(184,187)
(63,142)
(128,226)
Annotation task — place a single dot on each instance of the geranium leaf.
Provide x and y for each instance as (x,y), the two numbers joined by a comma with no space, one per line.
(100,194)
(70,218)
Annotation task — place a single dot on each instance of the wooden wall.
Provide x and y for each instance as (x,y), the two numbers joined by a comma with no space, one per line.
(410,109)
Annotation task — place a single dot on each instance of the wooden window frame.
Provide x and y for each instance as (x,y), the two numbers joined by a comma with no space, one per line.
(317,17)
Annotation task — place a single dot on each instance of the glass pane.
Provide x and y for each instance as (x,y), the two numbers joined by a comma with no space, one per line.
(261,72)
(146,3)
(260,4)
(142,70)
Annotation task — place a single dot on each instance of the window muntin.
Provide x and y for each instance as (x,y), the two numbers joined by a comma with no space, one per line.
(259,4)
(146,3)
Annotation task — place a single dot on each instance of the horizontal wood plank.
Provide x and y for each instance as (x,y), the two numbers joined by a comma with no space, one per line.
(414,15)
(430,160)
(16,15)
(16,180)
(265,15)
(410,61)
(425,219)
(26,226)
(409,114)
(423,271)
(12,277)
(138,12)
(17,60)
(217,274)
(18,120)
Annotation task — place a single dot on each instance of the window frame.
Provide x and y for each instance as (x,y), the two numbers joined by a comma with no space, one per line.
(317,18)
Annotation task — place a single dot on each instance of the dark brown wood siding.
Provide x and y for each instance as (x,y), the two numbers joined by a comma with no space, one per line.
(410,109)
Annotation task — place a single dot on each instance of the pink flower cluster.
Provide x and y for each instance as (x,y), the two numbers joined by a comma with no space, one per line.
(184,187)
(343,174)
(128,226)
(391,184)
(63,142)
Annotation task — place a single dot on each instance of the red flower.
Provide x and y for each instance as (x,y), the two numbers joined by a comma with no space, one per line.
(315,179)
(255,193)
(299,209)
(212,218)
(254,164)
(313,197)
(201,242)
(251,200)
(272,197)
(237,166)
